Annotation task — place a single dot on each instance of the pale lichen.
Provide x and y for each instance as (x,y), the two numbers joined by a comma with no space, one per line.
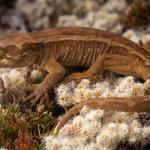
(100,128)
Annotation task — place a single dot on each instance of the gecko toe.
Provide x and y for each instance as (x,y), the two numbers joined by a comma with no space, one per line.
(26,99)
(35,100)
(36,96)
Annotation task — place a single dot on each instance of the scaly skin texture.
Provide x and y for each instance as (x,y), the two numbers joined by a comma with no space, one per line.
(55,49)
(74,47)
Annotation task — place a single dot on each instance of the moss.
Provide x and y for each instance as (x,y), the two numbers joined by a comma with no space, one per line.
(11,121)
(20,130)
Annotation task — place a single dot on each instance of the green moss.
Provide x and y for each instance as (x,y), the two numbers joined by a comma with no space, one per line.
(11,120)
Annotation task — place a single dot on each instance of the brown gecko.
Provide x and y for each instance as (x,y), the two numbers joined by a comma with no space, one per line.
(57,48)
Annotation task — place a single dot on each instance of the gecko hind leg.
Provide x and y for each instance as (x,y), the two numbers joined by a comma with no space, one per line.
(93,73)
(115,63)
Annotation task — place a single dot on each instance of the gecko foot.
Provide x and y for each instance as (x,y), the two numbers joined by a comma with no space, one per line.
(38,94)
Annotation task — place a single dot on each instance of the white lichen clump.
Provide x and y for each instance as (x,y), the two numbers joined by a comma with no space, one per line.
(18,77)
(13,77)
(99,14)
(99,129)
(69,94)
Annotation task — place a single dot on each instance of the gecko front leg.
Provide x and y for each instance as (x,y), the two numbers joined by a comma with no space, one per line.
(55,73)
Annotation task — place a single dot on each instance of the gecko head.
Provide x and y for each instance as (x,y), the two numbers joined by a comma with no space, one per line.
(14,52)
(15,58)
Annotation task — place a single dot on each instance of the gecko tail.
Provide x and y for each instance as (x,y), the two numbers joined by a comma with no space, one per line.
(124,104)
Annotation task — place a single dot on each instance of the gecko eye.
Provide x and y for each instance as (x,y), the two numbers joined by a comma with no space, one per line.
(24,55)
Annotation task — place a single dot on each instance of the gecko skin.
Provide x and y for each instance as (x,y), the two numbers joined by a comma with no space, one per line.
(57,48)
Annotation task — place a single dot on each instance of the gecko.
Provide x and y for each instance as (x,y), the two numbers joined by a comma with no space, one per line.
(57,48)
